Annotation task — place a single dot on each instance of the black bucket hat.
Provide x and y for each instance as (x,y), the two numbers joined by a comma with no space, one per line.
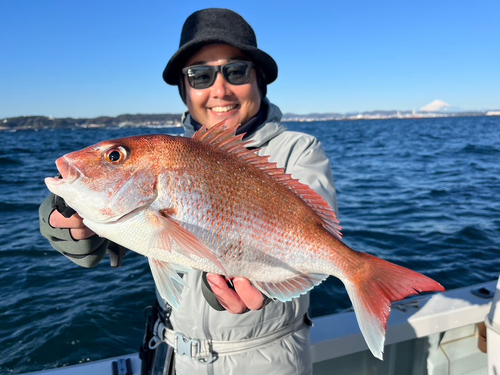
(218,26)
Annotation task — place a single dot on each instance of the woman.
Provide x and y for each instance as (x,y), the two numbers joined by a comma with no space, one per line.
(222,75)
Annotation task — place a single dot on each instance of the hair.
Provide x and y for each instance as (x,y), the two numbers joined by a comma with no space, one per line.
(261,84)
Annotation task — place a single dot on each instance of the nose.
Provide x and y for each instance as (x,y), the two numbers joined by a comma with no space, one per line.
(220,88)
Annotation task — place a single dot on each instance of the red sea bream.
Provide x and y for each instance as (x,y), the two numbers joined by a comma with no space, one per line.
(209,203)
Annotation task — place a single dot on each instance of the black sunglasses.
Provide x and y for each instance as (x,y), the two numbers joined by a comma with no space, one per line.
(203,76)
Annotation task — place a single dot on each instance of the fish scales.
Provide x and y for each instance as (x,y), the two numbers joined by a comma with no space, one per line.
(243,210)
(247,205)
(210,204)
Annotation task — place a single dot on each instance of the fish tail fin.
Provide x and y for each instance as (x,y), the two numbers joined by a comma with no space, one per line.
(374,287)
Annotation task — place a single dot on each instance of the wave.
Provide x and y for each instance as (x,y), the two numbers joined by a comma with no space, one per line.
(480,149)
(18,207)
(9,161)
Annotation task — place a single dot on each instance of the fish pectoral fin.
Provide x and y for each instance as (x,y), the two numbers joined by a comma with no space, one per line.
(186,240)
(286,290)
(168,281)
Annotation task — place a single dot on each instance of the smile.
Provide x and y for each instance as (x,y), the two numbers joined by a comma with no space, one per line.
(224,109)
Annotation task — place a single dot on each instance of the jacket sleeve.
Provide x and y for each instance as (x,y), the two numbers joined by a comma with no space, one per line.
(311,166)
(303,157)
(86,253)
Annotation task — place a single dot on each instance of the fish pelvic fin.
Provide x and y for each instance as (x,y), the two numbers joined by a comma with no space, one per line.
(374,287)
(170,230)
(168,281)
(225,138)
(291,288)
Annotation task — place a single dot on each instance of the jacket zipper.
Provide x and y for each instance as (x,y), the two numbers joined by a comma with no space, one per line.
(206,313)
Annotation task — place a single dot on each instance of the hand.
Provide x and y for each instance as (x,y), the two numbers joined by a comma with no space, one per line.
(75,224)
(246,295)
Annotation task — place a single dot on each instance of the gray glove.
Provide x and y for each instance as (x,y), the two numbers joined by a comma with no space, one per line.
(86,253)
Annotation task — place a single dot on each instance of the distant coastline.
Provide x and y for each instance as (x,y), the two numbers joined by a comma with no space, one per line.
(174,120)
(43,122)
(384,115)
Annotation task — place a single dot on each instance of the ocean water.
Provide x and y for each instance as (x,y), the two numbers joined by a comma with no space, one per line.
(421,193)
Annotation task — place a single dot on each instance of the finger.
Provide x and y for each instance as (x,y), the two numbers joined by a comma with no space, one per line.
(57,220)
(250,295)
(226,296)
(81,233)
(78,230)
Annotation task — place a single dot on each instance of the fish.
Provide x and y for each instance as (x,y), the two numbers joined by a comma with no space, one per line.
(210,203)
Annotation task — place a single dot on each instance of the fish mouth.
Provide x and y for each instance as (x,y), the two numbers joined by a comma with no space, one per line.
(68,173)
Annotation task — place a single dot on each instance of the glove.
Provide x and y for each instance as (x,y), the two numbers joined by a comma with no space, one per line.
(86,253)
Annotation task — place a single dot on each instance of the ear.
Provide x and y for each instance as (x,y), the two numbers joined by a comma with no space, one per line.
(182,88)
(261,82)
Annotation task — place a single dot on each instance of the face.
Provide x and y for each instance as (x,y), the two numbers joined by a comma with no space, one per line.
(222,101)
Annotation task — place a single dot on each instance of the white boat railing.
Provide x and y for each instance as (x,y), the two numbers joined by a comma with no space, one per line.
(492,322)
(338,334)
(434,334)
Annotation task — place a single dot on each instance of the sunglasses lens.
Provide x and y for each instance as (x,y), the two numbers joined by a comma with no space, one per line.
(203,76)
(200,77)
(237,73)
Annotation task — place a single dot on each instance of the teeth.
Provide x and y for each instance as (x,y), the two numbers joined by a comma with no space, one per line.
(223,109)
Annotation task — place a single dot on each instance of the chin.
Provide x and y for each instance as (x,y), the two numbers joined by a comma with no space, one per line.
(230,121)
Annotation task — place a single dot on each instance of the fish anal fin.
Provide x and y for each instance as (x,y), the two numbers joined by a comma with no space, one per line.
(172,231)
(288,289)
(167,280)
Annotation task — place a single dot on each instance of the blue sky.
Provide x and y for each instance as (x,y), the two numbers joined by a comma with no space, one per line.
(69,58)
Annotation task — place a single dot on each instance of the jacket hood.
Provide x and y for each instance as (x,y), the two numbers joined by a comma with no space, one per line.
(269,129)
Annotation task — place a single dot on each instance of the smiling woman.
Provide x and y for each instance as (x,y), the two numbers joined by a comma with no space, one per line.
(236,104)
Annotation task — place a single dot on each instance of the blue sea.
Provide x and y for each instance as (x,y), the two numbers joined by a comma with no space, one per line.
(423,193)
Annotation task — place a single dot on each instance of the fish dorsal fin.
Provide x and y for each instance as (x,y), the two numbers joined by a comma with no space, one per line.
(224,137)
(221,136)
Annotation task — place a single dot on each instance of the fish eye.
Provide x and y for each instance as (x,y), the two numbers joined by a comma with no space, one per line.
(116,155)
